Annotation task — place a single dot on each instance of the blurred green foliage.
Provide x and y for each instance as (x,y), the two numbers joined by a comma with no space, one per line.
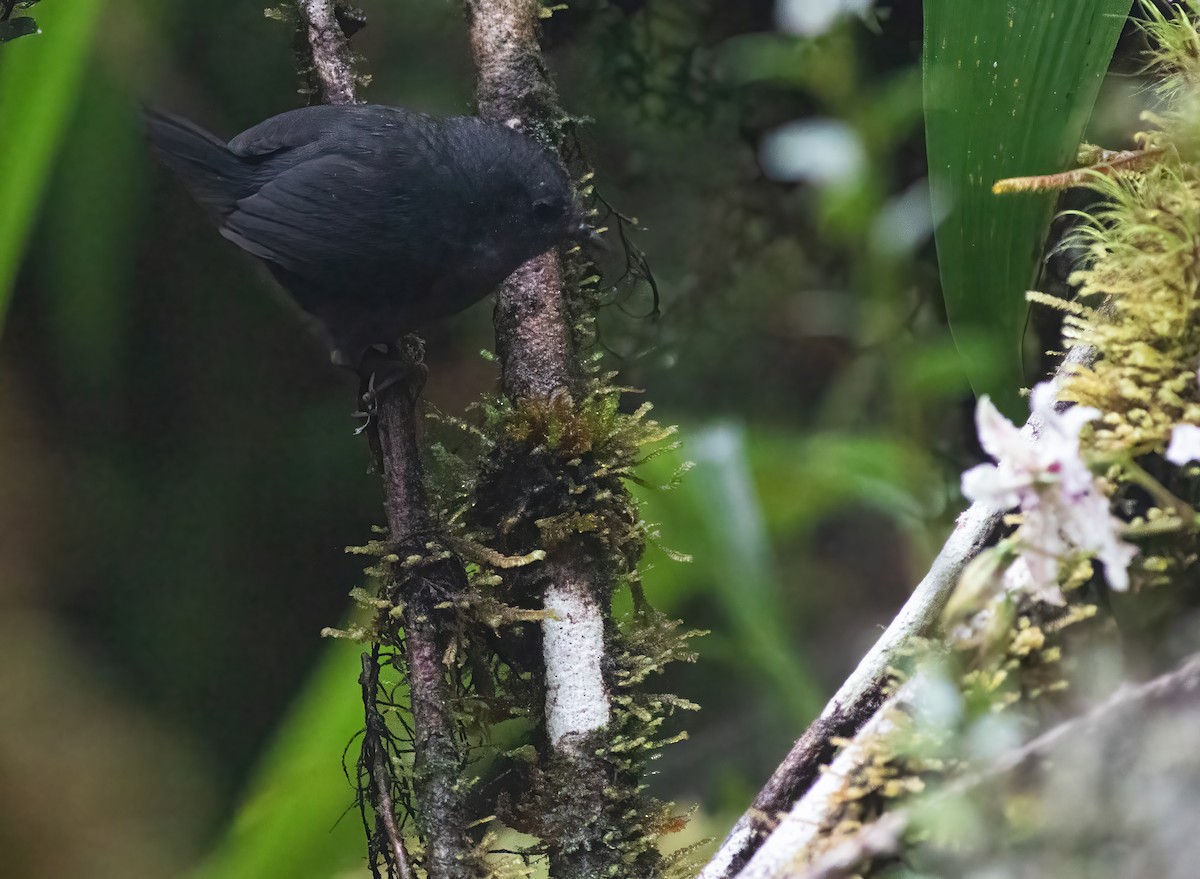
(297,819)
(39,84)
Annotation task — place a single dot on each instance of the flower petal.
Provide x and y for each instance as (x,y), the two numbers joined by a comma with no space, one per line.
(1185,444)
(998,487)
(998,436)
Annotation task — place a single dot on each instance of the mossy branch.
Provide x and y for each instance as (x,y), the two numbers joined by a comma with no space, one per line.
(563,430)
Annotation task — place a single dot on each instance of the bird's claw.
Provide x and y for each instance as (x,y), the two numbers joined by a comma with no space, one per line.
(368,404)
(401,364)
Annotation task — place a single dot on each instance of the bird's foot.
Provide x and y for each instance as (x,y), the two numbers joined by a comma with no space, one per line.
(384,367)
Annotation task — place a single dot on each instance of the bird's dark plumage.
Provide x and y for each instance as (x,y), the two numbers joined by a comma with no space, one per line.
(374,218)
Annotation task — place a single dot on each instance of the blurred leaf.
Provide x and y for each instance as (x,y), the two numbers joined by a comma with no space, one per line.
(99,192)
(1009,86)
(804,481)
(763,57)
(752,489)
(298,820)
(17,27)
(888,112)
(934,370)
(39,81)
(738,559)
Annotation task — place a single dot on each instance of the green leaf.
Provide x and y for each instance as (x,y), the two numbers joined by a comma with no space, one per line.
(1009,86)
(737,550)
(299,820)
(39,81)
(22,26)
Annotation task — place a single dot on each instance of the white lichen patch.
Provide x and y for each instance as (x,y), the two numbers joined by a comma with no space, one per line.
(577,701)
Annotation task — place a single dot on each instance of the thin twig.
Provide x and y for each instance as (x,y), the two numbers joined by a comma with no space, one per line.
(1107,163)
(441,810)
(387,814)
(375,737)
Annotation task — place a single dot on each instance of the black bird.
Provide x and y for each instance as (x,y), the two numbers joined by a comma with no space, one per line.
(376,219)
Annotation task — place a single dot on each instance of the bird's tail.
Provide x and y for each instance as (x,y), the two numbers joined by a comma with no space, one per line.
(212,173)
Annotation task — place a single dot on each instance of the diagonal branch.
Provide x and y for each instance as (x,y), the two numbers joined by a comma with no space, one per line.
(861,697)
(858,700)
(808,819)
(1121,711)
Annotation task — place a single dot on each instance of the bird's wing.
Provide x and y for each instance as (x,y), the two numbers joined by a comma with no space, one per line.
(325,124)
(332,220)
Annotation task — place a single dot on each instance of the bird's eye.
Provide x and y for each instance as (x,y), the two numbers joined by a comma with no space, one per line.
(547,210)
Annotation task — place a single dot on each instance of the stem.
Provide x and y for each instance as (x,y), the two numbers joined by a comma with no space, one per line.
(1139,476)
(438,759)
(1158,528)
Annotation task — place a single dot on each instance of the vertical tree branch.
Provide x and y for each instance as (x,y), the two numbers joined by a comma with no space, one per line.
(332,74)
(535,343)
(533,334)
(438,760)
(809,818)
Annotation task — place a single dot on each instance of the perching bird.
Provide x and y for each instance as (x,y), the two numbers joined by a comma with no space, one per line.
(377,219)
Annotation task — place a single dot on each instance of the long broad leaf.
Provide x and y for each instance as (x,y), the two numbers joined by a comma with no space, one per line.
(299,820)
(39,80)
(1009,86)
